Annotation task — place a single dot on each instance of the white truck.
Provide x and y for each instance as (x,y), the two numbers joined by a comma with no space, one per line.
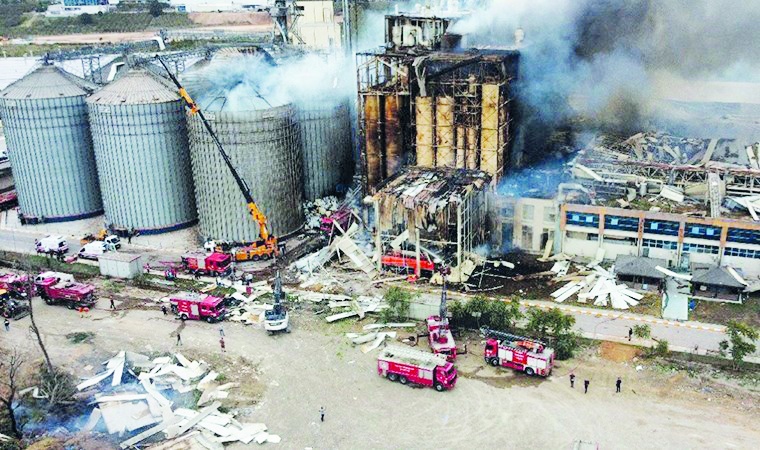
(54,244)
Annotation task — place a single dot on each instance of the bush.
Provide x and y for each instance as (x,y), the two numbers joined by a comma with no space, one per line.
(155,8)
(642,331)
(398,301)
(660,349)
(483,312)
(740,343)
(86,19)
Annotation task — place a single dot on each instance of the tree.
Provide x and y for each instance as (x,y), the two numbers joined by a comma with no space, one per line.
(642,331)
(10,372)
(85,19)
(484,312)
(740,343)
(36,331)
(155,8)
(555,326)
(398,301)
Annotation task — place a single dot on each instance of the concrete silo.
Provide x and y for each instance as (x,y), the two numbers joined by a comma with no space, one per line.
(326,148)
(139,132)
(49,145)
(264,146)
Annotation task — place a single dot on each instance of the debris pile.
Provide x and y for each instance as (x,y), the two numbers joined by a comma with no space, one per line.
(600,286)
(319,208)
(144,393)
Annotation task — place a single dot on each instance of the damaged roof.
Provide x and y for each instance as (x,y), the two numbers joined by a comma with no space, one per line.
(433,187)
(715,276)
(638,266)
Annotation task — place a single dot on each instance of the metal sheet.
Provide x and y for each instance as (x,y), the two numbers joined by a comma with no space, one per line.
(265,148)
(142,155)
(50,147)
(326,148)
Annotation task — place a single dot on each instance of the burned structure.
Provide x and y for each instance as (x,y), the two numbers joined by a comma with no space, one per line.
(434,214)
(423,101)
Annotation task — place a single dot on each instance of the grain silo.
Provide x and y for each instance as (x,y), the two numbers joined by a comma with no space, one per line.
(264,146)
(139,132)
(326,148)
(49,146)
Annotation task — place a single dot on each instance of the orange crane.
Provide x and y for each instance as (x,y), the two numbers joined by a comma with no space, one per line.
(266,247)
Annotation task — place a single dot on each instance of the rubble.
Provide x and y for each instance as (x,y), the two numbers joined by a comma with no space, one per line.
(319,208)
(148,401)
(593,282)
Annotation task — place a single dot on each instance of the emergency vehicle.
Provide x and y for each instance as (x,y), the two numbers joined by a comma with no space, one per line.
(518,352)
(408,365)
(196,306)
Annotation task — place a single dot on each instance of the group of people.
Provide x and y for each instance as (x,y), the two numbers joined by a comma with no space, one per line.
(586,383)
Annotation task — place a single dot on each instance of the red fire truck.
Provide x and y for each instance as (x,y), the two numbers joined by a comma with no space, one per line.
(195,306)
(69,293)
(518,352)
(16,285)
(215,264)
(405,261)
(407,365)
(439,335)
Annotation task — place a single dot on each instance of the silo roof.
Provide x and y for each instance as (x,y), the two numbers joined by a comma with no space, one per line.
(135,87)
(47,81)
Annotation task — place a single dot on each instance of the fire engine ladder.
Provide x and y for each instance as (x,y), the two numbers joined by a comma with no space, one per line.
(507,336)
(412,355)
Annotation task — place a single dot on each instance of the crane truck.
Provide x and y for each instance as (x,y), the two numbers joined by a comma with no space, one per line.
(264,248)
(439,335)
(276,319)
(517,352)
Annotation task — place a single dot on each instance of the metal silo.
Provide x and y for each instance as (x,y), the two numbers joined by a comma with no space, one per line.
(139,131)
(49,146)
(264,146)
(326,149)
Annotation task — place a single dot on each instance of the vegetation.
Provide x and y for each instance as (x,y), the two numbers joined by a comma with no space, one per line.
(155,8)
(556,327)
(483,312)
(398,300)
(740,343)
(660,349)
(85,19)
(78,337)
(642,331)
(11,366)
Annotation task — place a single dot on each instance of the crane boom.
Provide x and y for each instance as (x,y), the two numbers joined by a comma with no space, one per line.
(256,213)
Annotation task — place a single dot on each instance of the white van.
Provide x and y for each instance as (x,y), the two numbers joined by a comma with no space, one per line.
(112,242)
(59,276)
(51,243)
(93,250)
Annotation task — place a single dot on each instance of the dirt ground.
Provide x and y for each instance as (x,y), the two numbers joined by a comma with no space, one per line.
(287,378)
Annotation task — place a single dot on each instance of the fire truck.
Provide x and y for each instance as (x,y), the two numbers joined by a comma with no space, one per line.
(215,264)
(406,261)
(68,293)
(195,306)
(342,218)
(16,285)
(439,335)
(408,365)
(518,352)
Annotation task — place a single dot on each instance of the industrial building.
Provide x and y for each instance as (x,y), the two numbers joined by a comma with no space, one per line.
(424,101)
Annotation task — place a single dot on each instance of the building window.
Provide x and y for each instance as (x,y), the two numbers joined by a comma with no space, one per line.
(550,216)
(743,236)
(702,231)
(621,223)
(527,212)
(527,237)
(656,243)
(665,227)
(742,252)
(700,248)
(582,219)
(625,241)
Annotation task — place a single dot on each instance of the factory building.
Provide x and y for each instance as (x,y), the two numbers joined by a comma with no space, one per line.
(425,102)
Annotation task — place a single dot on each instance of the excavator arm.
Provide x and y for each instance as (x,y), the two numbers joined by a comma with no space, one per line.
(256,213)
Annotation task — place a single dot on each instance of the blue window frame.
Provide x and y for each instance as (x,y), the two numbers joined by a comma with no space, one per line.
(621,223)
(582,219)
(702,231)
(743,236)
(665,227)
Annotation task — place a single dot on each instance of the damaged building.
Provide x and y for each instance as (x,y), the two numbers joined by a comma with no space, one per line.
(424,101)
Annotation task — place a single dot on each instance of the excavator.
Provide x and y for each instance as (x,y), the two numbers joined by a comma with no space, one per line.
(266,247)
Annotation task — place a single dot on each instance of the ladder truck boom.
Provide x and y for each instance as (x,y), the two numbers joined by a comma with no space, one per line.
(256,213)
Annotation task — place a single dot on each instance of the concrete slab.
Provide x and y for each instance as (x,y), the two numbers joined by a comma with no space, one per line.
(675,301)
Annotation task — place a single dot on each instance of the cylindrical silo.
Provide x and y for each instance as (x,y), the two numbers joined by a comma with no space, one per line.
(326,148)
(139,131)
(264,147)
(49,145)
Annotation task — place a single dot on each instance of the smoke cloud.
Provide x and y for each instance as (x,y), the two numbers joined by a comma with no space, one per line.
(249,82)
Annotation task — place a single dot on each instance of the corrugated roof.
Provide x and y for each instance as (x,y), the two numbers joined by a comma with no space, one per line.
(716,276)
(47,81)
(135,87)
(639,266)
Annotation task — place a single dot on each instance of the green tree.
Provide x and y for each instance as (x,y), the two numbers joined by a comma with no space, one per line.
(661,348)
(484,312)
(86,19)
(398,301)
(642,331)
(155,8)
(556,327)
(740,343)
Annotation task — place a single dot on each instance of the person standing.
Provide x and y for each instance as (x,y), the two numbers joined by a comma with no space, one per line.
(618,383)
(630,333)
(221,343)
(572,380)
(321,413)
(7,324)
(221,331)
(179,339)
(113,305)
(585,386)
(164,310)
